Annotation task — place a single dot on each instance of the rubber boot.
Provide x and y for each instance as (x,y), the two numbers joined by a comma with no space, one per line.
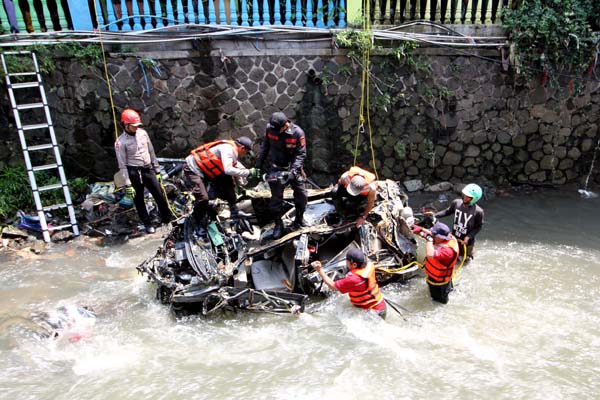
(278,230)
(299,222)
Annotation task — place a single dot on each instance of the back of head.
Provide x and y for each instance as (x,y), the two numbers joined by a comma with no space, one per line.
(474,191)
(277,120)
(357,185)
(355,255)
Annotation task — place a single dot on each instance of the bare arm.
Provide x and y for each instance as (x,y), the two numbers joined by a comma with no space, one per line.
(328,281)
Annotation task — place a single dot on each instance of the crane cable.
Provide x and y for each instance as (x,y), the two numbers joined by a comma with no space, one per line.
(365,87)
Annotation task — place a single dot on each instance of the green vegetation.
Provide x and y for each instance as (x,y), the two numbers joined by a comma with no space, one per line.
(86,55)
(15,191)
(554,39)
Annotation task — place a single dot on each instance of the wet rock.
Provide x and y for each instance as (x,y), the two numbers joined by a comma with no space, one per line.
(439,187)
(63,236)
(12,232)
(38,247)
(413,185)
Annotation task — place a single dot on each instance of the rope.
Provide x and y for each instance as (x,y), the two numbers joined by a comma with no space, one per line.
(365,90)
(171,207)
(457,271)
(110,96)
(400,269)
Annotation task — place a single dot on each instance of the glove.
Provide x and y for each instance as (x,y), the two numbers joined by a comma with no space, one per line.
(159,177)
(416,229)
(254,172)
(129,191)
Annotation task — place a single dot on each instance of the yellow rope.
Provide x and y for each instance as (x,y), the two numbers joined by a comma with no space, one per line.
(112,104)
(365,90)
(400,269)
(457,271)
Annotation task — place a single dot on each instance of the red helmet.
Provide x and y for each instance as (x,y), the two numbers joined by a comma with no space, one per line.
(129,116)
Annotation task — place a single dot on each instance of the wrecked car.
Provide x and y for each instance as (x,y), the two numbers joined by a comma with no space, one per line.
(235,264)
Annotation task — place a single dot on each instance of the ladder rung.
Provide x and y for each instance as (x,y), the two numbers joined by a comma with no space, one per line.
(45,167)
(17,52)
(23,85)
(30,106)
(55,207)
(22,74)
(50,187)
(35,126)
(60,227)
(40,147)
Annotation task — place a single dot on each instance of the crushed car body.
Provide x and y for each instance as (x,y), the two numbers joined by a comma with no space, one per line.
(235,265)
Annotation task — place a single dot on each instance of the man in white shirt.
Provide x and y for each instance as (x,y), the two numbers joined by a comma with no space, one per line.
(216,162)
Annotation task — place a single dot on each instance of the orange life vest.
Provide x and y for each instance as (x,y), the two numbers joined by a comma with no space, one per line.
(207,161)
(352,172)
(438,273)
(371,296)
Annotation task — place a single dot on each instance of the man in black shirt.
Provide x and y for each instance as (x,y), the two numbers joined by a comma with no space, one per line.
(468,217)
(284,149)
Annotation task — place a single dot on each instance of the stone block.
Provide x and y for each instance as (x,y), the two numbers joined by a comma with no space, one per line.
(586,145)
(443,172)
(549,162)
(566,163)
(574,153)
(456,146)
(412,171)
(472,151)
(539,176)
(504,137)
(531,166)
(530,126)
(519,140)
(480,137)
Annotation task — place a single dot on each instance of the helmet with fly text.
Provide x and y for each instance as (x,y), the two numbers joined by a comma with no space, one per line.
(473,191)
(131,117)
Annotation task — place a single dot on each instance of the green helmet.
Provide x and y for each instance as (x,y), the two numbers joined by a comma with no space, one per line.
(473,190)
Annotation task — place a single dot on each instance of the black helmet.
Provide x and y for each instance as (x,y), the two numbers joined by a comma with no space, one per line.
(278,119)
(244,141)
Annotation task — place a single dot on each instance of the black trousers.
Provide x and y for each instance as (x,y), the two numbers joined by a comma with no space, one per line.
(347,205)
(440,293)
(145,177)
(300,196)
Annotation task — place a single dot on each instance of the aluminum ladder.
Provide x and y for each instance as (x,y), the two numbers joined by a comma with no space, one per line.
(16,81)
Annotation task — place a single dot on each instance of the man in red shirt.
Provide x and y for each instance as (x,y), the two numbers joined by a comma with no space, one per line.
(360,283)
(441,253)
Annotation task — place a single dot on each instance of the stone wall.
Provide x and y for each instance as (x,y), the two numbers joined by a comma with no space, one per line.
(452,117)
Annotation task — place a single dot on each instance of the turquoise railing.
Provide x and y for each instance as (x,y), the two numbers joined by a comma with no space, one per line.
(137,15)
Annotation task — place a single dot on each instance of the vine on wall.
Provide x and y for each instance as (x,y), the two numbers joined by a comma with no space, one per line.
(554,39)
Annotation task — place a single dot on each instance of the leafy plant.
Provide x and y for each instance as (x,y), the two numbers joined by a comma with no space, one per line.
(553,38)
(86,55)
(400,150)
(15,190)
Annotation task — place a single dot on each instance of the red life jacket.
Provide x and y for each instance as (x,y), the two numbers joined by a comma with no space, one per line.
(438,273)
(352,172)
(208,162)
(371,296)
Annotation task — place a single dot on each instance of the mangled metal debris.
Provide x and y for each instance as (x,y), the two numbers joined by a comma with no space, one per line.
(235,265)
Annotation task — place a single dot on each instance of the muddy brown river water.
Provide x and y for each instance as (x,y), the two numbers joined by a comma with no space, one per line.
(522,324)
